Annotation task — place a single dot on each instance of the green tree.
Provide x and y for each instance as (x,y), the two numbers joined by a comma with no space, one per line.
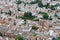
(40,4)
(28,15)
(47,5)
(18,1)
(58,38)
(45,16)
(19,37)
(52,7)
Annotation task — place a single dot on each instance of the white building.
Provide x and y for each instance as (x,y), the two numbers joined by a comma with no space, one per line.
(51,32)
(54,2)
(19,22)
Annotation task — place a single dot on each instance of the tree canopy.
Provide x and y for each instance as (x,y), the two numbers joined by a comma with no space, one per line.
(58,38)
(40,4)
(45,16)
(18,1)
(28,15)
(52,7)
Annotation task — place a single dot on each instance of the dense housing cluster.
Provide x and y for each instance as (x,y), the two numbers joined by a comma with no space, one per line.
(29,19)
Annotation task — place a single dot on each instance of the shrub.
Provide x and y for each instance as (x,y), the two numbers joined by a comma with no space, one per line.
(54,38)
(47,5)
(34,27)
(41,12)
(55,15)
(50,18)
(34,34)
(1,34)
(34,2)
(58,17)
(36,19)
(8,12)
(19,37)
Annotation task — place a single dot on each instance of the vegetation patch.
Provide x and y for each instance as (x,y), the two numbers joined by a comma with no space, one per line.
(34,27)
(19,37)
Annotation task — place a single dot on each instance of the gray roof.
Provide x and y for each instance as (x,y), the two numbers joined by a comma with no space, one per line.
(57,27)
